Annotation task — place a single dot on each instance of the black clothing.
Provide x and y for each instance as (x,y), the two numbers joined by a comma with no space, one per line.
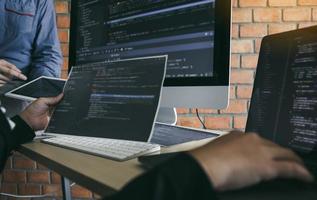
(181,178)
(10,139)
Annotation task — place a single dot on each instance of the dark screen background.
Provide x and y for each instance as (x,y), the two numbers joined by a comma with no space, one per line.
(115,100)
(42,88)
(284,101)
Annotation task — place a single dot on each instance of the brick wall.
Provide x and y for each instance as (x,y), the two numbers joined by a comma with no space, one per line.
(252,19)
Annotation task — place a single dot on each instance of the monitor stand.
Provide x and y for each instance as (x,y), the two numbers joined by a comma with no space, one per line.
(167,116)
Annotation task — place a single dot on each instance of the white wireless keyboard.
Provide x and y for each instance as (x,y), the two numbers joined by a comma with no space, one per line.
(119,150)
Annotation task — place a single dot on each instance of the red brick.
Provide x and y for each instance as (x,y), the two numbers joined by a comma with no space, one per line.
(278,28)
(63,21)
(9,188)
(38,177)
(63,36)
(235,61)
(61,7)
(252,3)
(235,31)
(14,176)
(29,189)
(232,92)
(258,45)
(236,107)
(307,2)
(241,15)
(23,163)
(315,14)
(65,63)
(64,74)
(244,92)
(239,122)
(56,178)
(306,24)
(253,30)
(80,192)
(281,3)
(54,189)
(218,123)
(205,111)
(242,46)
(41,167)
(189,122)
(297,14)
(242,76)
(267,15)
(249,61)
(65,49)
(182,110)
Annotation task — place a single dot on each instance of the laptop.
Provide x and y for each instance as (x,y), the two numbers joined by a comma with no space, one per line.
(283,108)
(109,108)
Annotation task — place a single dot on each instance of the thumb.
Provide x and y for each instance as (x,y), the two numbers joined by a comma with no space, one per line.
(52,101)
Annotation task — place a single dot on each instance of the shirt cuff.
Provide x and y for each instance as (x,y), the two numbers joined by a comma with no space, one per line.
(192,179)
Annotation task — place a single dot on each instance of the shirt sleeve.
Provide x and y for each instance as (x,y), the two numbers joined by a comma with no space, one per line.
(46,57)
(180,178)
(11,139)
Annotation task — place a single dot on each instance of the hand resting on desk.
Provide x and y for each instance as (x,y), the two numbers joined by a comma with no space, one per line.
(239,160)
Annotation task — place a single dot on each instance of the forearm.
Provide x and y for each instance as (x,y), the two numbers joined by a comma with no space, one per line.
(180,178)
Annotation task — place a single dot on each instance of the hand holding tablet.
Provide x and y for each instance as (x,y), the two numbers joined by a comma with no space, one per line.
(40,87)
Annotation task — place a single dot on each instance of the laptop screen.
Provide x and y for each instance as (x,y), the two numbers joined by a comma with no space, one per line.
(284,101)
(116,100)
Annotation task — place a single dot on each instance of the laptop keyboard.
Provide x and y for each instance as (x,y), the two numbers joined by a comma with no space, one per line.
(168,135)
(119,150)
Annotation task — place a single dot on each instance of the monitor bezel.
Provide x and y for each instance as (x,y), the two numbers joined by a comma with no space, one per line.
(222,46)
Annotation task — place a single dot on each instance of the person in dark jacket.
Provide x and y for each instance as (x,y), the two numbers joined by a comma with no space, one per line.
(230,162)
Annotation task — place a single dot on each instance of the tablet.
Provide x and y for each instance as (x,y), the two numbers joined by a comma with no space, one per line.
(40,87)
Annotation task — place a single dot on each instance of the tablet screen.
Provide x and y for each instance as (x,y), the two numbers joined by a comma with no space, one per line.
(43,87)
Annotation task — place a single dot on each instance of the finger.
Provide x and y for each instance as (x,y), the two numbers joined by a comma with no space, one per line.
(52,101)
(9,65)
(292,170)
(13,73)
(3,82)
(283,154)
(4,78)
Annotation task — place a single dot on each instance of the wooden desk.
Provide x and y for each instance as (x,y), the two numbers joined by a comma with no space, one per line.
(100,175)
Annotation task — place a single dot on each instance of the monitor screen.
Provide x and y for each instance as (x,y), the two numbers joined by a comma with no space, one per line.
(194,34)
(103,99)
(284,101)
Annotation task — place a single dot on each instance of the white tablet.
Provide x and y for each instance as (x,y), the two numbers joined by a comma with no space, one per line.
(40,87)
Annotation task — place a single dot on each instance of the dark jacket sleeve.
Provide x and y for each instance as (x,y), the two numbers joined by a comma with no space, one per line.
(10,139)
(181,178)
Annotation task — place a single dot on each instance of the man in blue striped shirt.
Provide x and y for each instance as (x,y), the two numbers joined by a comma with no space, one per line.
(29,45)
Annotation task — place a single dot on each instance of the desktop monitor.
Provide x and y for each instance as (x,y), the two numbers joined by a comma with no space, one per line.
(194,34)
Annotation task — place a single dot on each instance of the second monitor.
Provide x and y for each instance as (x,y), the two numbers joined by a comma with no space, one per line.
(194,34)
